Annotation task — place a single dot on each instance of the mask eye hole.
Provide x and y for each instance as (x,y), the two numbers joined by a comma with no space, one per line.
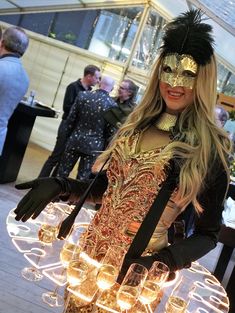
(167,69)
(188,73)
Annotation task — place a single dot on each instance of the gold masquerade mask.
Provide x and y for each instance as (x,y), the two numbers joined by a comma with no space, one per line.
(179,70)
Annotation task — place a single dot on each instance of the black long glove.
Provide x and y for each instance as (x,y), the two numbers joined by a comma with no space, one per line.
(43,191)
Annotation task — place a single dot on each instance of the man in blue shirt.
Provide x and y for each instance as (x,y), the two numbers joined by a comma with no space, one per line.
(14,80)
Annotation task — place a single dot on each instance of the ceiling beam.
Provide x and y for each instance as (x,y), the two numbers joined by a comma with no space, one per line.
(70,7)
(213,16)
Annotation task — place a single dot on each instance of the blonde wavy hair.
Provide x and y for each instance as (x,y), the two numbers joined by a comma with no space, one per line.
(201,141)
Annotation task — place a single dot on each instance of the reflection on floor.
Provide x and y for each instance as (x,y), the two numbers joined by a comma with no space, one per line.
(16,294)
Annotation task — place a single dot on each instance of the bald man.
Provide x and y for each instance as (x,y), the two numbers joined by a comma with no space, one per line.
(86,129)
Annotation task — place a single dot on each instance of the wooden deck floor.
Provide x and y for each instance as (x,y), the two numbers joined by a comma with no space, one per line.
(16,294)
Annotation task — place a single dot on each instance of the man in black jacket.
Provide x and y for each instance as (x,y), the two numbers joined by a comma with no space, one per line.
(125,103)
(91,78)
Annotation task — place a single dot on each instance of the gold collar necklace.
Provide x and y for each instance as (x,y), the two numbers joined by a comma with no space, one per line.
(166,121)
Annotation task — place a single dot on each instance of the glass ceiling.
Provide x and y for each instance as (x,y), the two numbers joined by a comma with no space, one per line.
(221,14)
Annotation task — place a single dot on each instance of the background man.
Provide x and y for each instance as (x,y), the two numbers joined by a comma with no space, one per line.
(125,103)
(90,78)
(221,116)
(14,80)
(87,129)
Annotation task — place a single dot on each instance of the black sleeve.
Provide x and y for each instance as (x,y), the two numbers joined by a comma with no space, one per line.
(69,98)
(73,116)
(207,224)
(73,189)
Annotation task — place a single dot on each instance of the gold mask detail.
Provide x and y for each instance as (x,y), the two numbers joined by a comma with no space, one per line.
(179,70)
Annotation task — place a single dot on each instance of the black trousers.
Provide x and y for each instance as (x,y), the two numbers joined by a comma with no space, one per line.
(70,158)
(50,167)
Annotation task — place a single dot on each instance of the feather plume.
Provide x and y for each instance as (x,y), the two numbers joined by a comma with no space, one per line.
(186,34)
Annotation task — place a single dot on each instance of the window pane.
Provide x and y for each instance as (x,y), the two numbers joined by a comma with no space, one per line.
(114,33)
(150,41)
(226,81)
(38,23)
(11,19)
(74,27)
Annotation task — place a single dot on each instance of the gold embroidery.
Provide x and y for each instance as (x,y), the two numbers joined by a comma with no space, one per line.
(134,180)
(166,121)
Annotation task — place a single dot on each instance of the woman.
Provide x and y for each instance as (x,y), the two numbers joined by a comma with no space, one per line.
(169,156)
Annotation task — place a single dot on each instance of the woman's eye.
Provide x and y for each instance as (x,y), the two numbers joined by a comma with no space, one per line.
(188,74)
(167,69)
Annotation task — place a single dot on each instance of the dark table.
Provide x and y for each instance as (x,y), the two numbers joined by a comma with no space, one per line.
(19,130)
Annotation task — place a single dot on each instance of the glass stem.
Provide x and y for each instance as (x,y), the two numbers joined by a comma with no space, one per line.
(67,302)
(56,289)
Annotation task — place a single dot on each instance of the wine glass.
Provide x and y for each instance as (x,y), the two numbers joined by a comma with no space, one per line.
(86,272)
(180,296)
(107,276)
(157,276)
(49,219)
(111,265)
(131,286)
(73,244)
(70,251)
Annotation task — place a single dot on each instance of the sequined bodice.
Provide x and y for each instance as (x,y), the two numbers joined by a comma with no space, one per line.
(134,180)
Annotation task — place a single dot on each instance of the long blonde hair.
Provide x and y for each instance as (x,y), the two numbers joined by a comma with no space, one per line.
(201,141)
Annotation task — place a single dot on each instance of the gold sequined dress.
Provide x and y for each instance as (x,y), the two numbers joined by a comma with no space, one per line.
(134,181)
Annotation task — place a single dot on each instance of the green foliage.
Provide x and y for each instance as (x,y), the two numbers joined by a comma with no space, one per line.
(232,168)
(52,35)
(69,37)
(232,115)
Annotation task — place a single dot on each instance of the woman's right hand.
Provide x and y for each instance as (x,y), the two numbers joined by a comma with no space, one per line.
(43,191)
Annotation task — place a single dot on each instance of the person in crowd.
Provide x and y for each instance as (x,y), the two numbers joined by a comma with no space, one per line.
(90,78)
(169,156)
(125,100)
(14,80)
(86,130)
(221,115)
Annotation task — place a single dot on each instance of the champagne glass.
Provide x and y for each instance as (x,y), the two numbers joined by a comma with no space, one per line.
(72,245)
(49,220)
(131,286)
(86,272)
(180,296)
(157,276)
(111,265)
(106,278)
(69,252)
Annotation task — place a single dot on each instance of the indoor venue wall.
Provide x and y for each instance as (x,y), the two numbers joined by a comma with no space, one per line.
(51,66)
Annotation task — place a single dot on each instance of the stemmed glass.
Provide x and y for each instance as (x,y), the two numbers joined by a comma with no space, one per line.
(157,276)
(180,296)
(49,219)
(111,265)
(69,252)
(87,267)
(107,276)
(131,286)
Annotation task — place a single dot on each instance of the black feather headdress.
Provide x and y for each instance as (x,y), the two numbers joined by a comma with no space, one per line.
(186,34)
